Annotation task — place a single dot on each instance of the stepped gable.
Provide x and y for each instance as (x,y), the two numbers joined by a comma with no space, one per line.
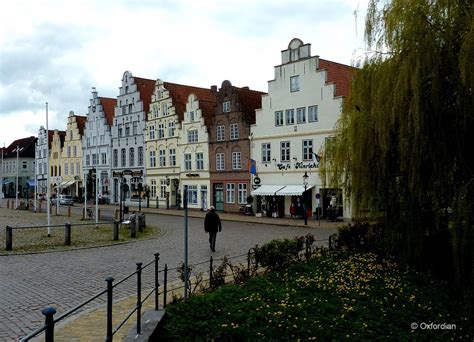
(179,93)
(108,105)
(249,100)
(146,87)
(338,74)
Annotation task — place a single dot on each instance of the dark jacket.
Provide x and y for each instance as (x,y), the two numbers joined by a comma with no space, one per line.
(212,222)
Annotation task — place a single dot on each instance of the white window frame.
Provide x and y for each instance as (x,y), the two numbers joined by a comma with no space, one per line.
(301,115)
(172,152)
(152,158)
(230,193)
(294,83)
(236,161)
(234,131)
(220,133)
(162,158)
(279,118)
(266,152)
(123,157)
(187,162)
(242,193)
(285,152)
(290,116)
(226,106)
(313,113)
(220,161)
(192,194)
(199,161)
(307,149)
(192,136)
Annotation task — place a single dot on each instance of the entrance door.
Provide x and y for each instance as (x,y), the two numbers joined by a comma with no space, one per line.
(219,196)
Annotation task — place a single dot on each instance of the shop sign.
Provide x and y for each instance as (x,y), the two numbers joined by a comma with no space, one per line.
(298,165)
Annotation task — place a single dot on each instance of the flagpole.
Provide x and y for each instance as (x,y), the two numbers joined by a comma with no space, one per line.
(36,168)
(48,190)
(17,172)
(1,178)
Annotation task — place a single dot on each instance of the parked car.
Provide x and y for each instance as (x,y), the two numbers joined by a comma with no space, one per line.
(66,200)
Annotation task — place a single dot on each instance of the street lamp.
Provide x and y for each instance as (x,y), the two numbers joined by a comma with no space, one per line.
(305,183)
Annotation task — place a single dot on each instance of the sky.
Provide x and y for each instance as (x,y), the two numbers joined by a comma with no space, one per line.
(56,51)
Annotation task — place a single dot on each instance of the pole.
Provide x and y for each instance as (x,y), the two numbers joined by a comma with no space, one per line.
(36,176)
(85,192)
(1,176)
(96,174)
(185,198)
(17,173)
(305,209)
(48,190)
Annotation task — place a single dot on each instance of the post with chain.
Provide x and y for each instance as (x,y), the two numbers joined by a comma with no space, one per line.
(49,323)
(157,284)
(139,297)
(110,336)
(116,230)
(9,238)
(165,285)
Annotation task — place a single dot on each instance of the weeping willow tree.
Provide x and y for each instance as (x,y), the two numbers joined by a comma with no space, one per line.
(404,147)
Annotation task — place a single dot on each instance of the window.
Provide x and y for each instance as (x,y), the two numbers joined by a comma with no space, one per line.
(88,143)
(191,116)
(187,161)
(230,193)
(129,108)
(155,111)
(120,130)
(226,107)
(234,131)
(266,153)
(75,151)
(199,160)
(192,136)
(285,151)
(140,156)
(164,109)
(135,127)
(171,129)
(153,188)
(123,157)
(192,194)
(124,110)
(220,161)
(313,113)
(103,156)
(152,132)
(163,188)
(78,168)
(290,116)
(95,159)
(172,157)
(127,129)
(242,193)
(220,133)
(152,158)
(131,155)
(162,158)
(236,161)
(161,131)
(301,115)
(69,151)
(294,83)
(88,159)
(307,149)
(115,158)
(66,169)
(279,118)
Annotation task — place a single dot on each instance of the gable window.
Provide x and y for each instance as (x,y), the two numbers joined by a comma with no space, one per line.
(155,111)
(152,159)
(307,149)
(152,132)
(140,156)
(290,116)
(220,162)
(171,129)
(199,160)
(234,131)
(131,154)
(164,109)
(162,158)
(191,116)
(69,151)
(313,113)
(301,115)
(220,133)
(192,136)
(123,157)
(266,152)
(187,161)
(75,151)
(236,161)
(115,158)
(230,193)
(226,106)
(172,157)
(161,131)
(279,118)
(294,83)
(285,151)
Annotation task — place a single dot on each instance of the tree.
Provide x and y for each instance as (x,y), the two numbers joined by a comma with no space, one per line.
(403,147)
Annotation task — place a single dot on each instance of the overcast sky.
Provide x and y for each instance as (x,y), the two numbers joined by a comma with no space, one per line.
(55,51)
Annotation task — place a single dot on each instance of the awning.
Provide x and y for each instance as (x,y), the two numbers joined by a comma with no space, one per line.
(267,190)
(31,183)
(66,184)
(293,190)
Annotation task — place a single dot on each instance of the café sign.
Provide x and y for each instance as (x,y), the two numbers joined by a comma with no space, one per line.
(298,165)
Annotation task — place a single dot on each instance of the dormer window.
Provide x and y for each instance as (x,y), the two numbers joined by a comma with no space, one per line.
(226,107)
(295,83)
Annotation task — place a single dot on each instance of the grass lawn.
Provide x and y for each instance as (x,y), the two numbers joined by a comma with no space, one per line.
(336,297)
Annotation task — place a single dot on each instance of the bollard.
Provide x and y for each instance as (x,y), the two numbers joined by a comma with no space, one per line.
(67,234)
(116,230)
(165,285)
(133,228)
(98,214)
(157,284)
(157,202)
(139,297)
(8,204)
(9,238)
(110,287)
(49,312)
(69,211)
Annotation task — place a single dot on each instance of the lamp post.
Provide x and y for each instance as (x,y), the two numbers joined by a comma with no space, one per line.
(305,183)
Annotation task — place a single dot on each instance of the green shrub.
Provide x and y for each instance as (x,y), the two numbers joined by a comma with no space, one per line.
(278,254)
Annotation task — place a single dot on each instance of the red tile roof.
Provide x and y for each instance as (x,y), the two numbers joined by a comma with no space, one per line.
(338,74)
(26,148)
(108,104)
(179,94)
(146,88)
(249,100)
(81,123)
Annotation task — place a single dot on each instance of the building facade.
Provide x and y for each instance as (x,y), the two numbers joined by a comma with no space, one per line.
(97,146)
(229,146)
(128,145)
(43,147)
(299,113)
(71,157)
(55,153)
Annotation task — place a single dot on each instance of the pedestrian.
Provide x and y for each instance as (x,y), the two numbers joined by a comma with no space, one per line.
(212,224)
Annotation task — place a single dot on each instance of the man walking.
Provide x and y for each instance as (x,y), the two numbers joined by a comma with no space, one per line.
(212,223)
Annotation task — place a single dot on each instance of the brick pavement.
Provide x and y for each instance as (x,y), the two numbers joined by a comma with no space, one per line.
(30,282)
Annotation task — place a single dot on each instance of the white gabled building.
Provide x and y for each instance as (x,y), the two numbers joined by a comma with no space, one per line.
(128,145)
(43,146)
(97,144)
(299,113)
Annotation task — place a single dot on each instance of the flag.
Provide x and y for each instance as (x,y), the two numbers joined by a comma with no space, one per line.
(252,166)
